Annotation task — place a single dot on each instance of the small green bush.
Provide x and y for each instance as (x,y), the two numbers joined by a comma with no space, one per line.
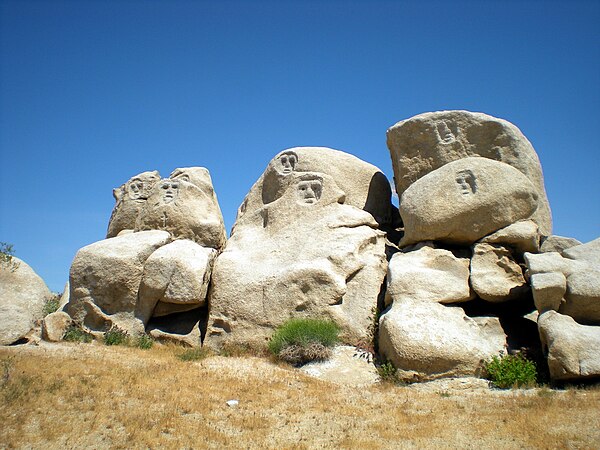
(115,336)
(302,340)
(387,372)
(511,371)
(76,334)
(194,354)
(6,257)
(51,305)
(144,342)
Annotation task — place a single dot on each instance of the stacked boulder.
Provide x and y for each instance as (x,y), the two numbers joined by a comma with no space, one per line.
(472,202)
(307,242)
(153,270)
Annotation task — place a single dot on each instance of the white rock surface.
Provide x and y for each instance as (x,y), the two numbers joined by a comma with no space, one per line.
(426,340)
(573,349)
(105,279)
(495,275)
(177,276)
(428,274)
(22,297)
(558,244)
(465,200)
(427,141)
(347,366)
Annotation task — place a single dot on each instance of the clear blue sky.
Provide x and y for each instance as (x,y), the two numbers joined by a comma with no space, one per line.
(93,92)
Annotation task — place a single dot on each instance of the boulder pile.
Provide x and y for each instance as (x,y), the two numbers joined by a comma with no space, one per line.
(465,269)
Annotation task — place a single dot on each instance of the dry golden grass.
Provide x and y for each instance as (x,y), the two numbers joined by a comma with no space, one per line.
(92,396)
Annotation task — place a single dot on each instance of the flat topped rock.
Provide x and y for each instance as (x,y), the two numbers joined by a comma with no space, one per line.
(426,142)
(347,366)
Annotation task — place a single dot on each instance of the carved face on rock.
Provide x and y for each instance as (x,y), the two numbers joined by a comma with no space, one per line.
(169,189)
(309,191)
(444,133)
(466,181)
(286,162)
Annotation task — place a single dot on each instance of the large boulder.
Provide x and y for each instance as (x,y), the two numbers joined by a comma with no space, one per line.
(428,274)
(105,277)
(298,250)
(523,236)
(465,200)
(495,275)
(22,297)
(185,205)
(426,142)
(557,244)
(130,198)
(427,340)
(573,349)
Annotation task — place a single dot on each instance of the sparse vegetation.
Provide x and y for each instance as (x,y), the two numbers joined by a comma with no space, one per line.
(116,336)
(194,354)
(6,257)
(51,305)
(302,340)
(76,334)
(144,341)
(511,371)
(387,372)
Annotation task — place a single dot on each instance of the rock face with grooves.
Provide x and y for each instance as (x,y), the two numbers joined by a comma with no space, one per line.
(426,142)
(302,248)
(465,200)
(22,297)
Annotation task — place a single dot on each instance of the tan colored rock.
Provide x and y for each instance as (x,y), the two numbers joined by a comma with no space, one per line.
(22,297)
(557,244)
(464,201)
(548,290)
(426,340)
(588,252)
(495,275)
(426,142)
(130,199)
(573,349)
(176,276)
(363,185)
(428,274)
(186,206)
(55,325)
(304,254)
(346,366)
(523,236)
(105,279)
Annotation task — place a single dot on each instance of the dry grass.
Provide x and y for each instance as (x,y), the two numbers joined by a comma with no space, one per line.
(91,396)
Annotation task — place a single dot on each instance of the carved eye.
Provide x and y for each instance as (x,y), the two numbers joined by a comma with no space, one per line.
(175,185)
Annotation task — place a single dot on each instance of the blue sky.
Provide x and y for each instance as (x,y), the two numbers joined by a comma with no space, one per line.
(93,92)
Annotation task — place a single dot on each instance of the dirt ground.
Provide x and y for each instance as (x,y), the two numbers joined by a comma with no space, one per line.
(93,396)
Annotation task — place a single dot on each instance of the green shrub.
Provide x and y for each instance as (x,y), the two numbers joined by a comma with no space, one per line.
(144,342)
(511,371)
(51,305)
(115,336)
(387,372)
(6,257)
(302,340)
(195,354)
(76,334)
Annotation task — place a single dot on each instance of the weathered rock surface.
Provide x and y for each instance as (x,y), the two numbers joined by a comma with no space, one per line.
(426,340)
(346,366)
(573,349)
(428,274)
(558,244)
(130,199)
(581,269)
(22,297)
(495,275)
(55,325)
(105,278)
(175,279)
(523,236)
(300,252)
(426,142)
(186,206)
(465,200)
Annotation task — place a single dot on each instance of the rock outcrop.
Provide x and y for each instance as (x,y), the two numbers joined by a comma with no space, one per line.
(303,247)
(22,297)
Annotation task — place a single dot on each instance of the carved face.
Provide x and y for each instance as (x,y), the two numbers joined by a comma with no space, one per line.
(466,181)
(170,190)
(135,189)
(309,191)
(444,133)
(288,162)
